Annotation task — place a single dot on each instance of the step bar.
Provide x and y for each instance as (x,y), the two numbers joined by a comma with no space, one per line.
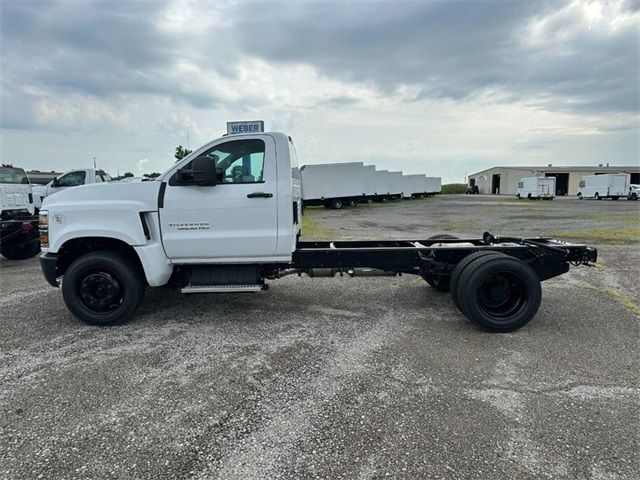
(221,288)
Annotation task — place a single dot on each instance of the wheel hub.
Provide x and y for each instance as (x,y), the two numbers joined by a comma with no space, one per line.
(101,292)
(501,295)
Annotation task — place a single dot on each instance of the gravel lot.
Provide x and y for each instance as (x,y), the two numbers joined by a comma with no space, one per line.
(338,378)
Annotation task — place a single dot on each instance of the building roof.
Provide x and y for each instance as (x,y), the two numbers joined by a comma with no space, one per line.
(563,168)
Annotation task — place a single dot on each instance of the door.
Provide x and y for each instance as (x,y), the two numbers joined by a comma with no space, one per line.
(235,219)
(618,185)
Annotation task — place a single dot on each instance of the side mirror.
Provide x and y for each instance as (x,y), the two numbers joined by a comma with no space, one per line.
(202,173)
(54,182)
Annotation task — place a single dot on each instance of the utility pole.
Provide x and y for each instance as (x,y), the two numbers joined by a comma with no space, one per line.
(94,163)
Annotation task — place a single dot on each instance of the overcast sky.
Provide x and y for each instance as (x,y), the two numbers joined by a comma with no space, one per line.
(441,88)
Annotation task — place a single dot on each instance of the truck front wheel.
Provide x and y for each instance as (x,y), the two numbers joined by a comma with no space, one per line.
(499,293)
(103,288)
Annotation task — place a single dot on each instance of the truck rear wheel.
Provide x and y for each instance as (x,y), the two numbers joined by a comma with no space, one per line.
(461,266)
(353,203)
(22,249)
(439,282)
(103,288)
(579,196)
(499,293)
(597,196)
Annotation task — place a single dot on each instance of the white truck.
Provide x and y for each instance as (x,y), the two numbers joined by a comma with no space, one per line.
(334,185)
(609,185)
(537,188)
(71,178)
(18,225)
(227,218)
(634,192)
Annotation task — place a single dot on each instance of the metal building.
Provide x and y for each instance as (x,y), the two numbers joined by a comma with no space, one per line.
(504,180)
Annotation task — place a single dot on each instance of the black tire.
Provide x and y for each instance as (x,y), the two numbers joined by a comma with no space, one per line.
(439,282)
(634,196)
(460,267)
(22,250)
(597,196)
(579,196)
(103,288)
(337,204)
(528,196)
(352,203)
(517,195)
(499,294)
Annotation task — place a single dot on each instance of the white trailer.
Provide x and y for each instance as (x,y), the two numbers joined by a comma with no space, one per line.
(537,187)
(610,185)
(407,186)
(333,185)
(369,173)
(417,184)
(382,185)
(434,185)
(395,184)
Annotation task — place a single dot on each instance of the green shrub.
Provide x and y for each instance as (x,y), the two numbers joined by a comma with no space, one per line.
(452,188)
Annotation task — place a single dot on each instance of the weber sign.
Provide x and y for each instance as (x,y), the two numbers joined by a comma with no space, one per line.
(245,127)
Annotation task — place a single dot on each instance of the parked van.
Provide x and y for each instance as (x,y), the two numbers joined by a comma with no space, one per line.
(610,185)
(537,187)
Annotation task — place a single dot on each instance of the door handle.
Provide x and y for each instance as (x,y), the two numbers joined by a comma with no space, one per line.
(260,195)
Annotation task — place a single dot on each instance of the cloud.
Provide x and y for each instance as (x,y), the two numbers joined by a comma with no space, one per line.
(413,82)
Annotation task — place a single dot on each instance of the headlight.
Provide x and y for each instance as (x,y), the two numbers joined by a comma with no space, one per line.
(43,227)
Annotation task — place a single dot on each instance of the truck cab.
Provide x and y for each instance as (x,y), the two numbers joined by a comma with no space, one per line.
(75,178)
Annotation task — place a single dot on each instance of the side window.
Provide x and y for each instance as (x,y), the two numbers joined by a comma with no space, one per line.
(581,184)
(72,179)
(239,161)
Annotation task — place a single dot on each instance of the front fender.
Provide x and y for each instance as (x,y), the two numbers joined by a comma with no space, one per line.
(121,222)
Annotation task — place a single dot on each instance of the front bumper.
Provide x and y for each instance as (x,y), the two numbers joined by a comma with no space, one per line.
(49,263)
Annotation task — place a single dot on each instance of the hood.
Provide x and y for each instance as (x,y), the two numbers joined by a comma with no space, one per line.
(142,195)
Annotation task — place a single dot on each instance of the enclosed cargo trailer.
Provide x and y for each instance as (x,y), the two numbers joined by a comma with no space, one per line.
(395,185)
(434,185)
(334,185)
(382,185)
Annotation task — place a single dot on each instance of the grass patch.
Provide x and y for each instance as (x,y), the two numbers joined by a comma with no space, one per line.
(454,188)
(310,229)
(606,217)
(626,301)
(612,236)
(459,225)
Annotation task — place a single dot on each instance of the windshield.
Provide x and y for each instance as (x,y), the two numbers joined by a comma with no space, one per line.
(13,175)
